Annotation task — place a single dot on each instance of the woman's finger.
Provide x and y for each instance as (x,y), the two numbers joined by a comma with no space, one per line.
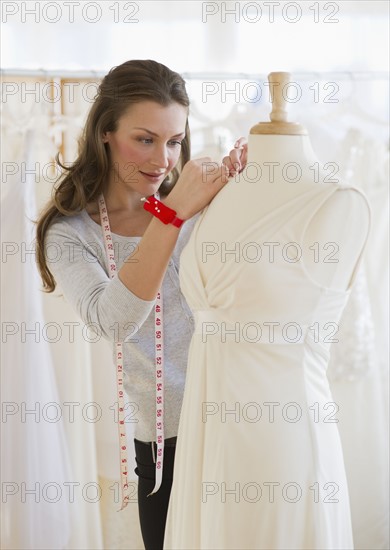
(240,142)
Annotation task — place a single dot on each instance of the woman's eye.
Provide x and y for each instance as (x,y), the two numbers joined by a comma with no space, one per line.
(148,141)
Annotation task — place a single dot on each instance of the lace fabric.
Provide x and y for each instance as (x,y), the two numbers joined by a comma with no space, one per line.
(353,356)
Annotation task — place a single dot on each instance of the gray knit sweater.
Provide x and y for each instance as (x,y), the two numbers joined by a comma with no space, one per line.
(76,257)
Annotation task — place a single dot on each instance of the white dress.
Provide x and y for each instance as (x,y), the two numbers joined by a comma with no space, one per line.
(259,463)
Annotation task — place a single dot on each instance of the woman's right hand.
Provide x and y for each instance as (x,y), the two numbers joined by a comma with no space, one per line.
(200,180)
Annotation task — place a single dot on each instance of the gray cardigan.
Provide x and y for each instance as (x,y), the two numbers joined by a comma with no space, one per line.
(76,257)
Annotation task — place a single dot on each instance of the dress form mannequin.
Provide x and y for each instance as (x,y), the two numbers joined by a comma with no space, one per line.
(281,164)
(240,276)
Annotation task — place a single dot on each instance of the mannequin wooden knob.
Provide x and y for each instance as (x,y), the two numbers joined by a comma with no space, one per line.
(279,124)
(277,83)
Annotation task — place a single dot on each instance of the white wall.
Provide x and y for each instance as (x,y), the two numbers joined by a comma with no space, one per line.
(197,36)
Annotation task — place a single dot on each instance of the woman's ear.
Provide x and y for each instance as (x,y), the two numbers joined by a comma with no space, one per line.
(105,137)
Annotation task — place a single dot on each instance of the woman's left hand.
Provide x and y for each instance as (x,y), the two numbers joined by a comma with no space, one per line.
(237,158)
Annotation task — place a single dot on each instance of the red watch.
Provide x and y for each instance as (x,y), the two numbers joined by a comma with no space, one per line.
(161,211)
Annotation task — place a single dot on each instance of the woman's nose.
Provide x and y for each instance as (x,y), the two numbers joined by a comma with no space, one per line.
(160,157)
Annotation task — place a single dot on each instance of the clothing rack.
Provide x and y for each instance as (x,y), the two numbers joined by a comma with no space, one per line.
(298,75)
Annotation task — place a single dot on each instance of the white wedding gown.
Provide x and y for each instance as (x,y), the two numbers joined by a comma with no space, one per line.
(259,464)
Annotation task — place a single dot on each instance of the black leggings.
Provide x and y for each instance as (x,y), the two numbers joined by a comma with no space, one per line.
(153,510)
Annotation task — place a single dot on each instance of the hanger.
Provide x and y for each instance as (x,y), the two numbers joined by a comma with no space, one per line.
(350,106)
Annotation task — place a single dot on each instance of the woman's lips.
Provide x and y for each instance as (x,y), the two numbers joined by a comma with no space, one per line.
(152,177)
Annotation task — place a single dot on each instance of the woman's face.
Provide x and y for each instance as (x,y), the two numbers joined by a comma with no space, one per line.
(146,145)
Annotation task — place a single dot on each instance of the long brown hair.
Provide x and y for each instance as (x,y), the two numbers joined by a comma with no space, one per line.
(82,182)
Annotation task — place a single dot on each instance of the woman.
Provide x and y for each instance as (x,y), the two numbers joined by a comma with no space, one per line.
(136,143)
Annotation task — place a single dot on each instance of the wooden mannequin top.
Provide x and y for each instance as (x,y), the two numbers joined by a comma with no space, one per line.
(280,140)
(279,117)
(281,163)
